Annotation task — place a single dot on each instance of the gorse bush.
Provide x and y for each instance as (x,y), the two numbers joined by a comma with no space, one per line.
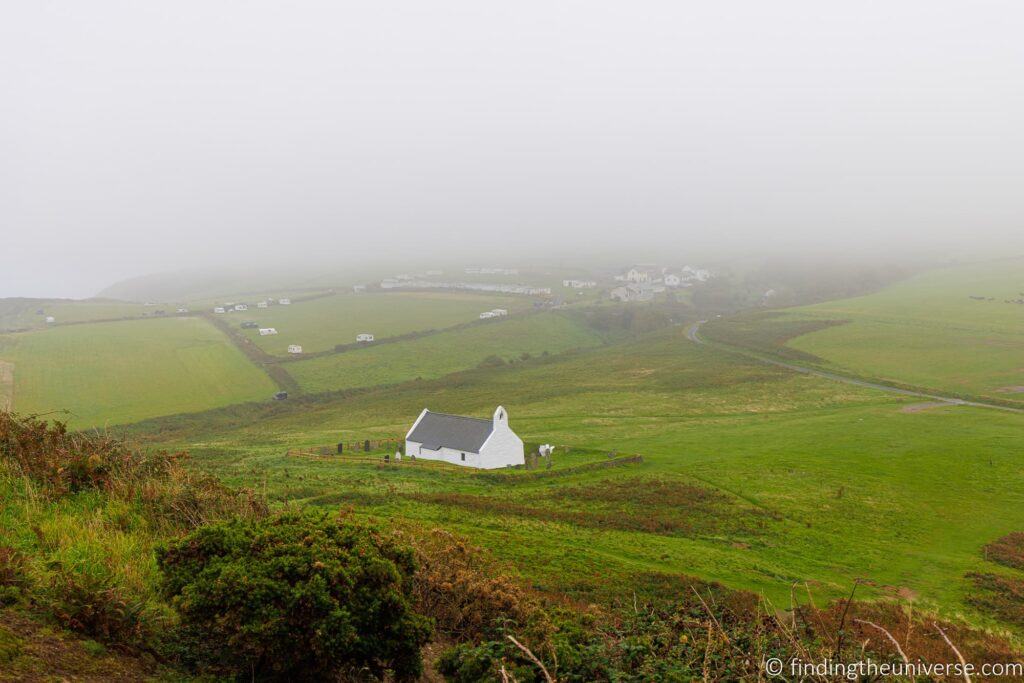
(464,591)
(295,596)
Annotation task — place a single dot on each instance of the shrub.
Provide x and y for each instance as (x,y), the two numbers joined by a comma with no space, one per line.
(464,591)
(295,596)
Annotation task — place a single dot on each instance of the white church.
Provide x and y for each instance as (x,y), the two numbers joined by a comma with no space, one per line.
(468,441)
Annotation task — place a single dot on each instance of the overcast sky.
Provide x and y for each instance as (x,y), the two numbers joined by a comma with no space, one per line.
(143,136)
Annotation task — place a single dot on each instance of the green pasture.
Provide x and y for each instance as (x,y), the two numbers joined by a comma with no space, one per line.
(321,324)
(20,314)
(439,354)
(118,372)
(751,475)
(928,331)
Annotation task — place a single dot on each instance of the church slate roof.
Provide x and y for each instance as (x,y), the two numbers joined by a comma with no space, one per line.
(440,430)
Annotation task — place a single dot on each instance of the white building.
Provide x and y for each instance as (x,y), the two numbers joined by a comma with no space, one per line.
(218,309)
(50,320)
(364,337)
(265,331)
(468,441)
(241,307)
(673,280)
(638,274)
(579,284)
(294,348)
(284,302)
(498,312)
(486,314)
(633,292)
(182,310)
(262,304)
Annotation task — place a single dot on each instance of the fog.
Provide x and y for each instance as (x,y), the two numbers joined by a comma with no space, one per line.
(139,137)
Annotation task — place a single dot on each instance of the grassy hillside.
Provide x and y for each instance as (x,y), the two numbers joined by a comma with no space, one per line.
(953,329)
(751,475)
(320,324)
(443,353)
(111,373)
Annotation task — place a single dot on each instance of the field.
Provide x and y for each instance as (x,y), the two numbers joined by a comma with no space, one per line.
(19,314)
(751,475)
(112,373)
(439,354)
(321,324)
(954,329)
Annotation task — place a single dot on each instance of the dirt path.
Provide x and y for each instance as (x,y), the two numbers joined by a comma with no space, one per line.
(693,334)
(6,385)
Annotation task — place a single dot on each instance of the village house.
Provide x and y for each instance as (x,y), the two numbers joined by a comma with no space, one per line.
(579,284)
(218,309)
(262,304)
(294,348)
(639,274)
(241,307)
(633,292)
(364,337)
(284,302)
(467,441)
(266,331)
(486,314)
(672,280)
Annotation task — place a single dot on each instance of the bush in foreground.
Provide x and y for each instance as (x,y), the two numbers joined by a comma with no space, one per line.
(295,596)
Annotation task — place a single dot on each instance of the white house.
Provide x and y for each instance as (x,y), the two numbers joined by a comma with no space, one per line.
(218,309)
(364,337)
(498,312)
(638,274)
(673,280)
(468,441)
(634,292)
(486,314)
(284,302)
(50,320)
(294,348)
(264,331)
(262,304)
(241,307)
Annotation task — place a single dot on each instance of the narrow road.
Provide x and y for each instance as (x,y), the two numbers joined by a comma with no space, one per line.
(693,334)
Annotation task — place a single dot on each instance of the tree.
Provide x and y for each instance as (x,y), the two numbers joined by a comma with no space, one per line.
(295,596)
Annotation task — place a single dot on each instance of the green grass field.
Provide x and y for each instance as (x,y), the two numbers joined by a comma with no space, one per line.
(321,324)
(929,332)
(112,373)
(752,475)
(440,354)
(19,314)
